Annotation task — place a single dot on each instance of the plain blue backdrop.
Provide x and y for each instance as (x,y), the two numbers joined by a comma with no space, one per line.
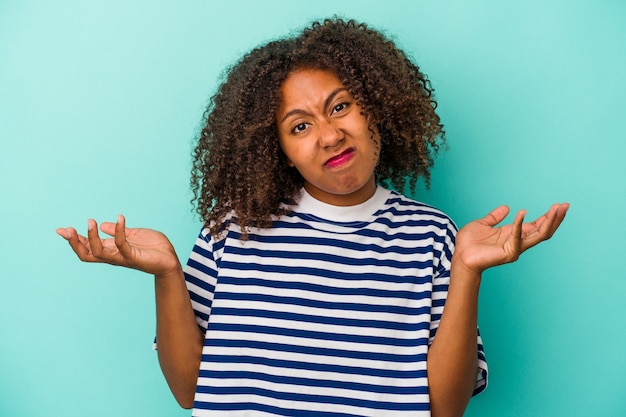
(99,105)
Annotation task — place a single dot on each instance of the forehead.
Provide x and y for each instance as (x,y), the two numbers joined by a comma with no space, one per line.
(305,86)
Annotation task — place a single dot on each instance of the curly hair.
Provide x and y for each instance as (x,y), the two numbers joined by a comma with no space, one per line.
(238,166)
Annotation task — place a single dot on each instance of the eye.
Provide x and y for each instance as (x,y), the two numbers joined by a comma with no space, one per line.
(300,127)
(339,107)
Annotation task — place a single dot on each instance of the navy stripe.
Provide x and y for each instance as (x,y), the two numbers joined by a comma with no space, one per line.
(338,321)
(323,289)
(317,272)
(208,287)
(353,244)
(317,351)
(392,222)
(204,253)
(337,259)
(312,366)
(324,399)
(309,382)
(309,334)
(250,406)
(200,300)
(306,302)
(202,268)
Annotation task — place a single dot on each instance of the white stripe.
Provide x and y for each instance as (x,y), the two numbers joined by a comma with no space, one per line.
(326,281)
(319,312)
(308,358)
(325,344)
(323,391)
(311,374)
(354,269)
(304,406)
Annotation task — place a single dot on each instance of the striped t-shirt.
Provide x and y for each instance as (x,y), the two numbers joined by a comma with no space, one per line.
(330,312)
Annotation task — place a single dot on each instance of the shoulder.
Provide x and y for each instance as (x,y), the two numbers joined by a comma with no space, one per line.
(402,208)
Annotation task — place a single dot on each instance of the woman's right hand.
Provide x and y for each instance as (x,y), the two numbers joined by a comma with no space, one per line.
(142,249)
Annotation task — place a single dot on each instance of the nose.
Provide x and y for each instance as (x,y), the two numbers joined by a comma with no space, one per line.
(329,134)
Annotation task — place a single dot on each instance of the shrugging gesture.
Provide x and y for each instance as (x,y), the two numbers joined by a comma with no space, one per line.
(335,111)
(142,249)
(178,336)
(481,245)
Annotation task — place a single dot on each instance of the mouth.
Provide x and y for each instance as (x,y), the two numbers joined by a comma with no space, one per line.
(340,159)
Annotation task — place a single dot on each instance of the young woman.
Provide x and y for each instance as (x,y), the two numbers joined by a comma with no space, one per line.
(313,290)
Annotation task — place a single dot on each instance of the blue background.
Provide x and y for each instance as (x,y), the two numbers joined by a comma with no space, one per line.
(99,105)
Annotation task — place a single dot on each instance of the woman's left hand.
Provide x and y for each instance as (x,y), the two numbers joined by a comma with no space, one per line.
(481,245)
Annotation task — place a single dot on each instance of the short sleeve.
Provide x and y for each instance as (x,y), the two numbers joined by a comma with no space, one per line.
(201,274)
(444,249)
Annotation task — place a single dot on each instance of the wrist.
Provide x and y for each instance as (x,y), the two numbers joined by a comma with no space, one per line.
(175,272)
(461,273)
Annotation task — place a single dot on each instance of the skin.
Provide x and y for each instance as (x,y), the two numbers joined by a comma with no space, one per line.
(325,137)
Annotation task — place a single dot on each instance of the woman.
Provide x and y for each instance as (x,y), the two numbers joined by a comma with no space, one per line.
(313,290)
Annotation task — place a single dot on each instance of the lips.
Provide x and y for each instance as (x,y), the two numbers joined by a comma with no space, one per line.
(340,159)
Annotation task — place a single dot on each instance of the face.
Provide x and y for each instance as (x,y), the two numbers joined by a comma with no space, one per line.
(326,138)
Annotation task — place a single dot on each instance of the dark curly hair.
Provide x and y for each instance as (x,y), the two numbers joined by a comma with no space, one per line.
(238,166)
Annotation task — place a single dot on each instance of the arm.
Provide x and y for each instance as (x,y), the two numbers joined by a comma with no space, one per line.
(178,336)
(452,357)
(480,245)
(179,339)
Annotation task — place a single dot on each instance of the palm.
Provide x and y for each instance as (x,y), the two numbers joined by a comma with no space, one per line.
(143,249)
(481,245)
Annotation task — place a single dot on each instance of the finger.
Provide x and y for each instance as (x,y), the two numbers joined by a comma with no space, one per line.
(544,227)
(560,216)
(554,218)
(515,240)
(495,216)
(108,228)
(63,232)
(518,223)
(94,239)
(79,245)
(550,225)
(120,237)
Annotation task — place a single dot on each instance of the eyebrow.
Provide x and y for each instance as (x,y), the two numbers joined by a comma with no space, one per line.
(327,102)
